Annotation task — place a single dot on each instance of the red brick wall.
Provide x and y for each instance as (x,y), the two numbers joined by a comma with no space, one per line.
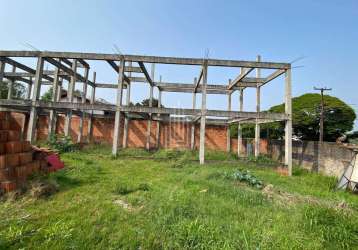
(172,134)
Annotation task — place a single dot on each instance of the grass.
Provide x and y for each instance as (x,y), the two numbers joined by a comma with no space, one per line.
(168,201)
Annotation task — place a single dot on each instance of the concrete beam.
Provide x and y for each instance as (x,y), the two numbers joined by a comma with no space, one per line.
(184,87)
(28,74)
(24,68)
(83,63)
(131,69)
(246,82)
(237,80)
(273,76)
(147,59)
(145,72)
(153,110)
(69,71)
(116,68)
(196,84)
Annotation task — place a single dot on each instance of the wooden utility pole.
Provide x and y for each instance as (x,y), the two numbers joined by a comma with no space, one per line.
(322,112)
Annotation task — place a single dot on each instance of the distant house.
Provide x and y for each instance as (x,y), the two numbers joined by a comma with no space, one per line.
(77,98)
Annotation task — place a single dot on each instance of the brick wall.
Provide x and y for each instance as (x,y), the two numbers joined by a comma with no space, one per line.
(329,158)
(172,134)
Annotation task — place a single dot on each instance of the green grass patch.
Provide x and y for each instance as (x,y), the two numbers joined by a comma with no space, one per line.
(166,200)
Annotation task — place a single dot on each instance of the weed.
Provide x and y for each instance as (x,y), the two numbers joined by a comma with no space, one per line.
(61,143)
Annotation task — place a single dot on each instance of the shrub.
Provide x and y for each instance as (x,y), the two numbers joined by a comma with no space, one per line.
(245,176)
(61,143)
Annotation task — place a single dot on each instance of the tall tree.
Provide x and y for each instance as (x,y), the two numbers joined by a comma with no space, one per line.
(338,116)
(338,119)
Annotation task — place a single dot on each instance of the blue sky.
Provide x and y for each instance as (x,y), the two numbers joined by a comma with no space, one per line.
(324,33)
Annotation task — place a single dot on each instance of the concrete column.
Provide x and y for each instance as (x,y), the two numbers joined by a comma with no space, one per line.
(149,124)
(28,93)
(2,70)
(58,99)
(117,121)
(52,117)
(257,124)
(158,122)
(192,140)
(11,85)
(126,119)
(228,136)
(71,89)
(288,127)
(83,100)
(239,130)
(203,114)
(35,96)
(90,118)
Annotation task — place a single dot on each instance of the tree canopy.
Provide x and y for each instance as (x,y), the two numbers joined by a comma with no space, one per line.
(47,96)
(18,90)
(145,103)
(338,116)
(338,119)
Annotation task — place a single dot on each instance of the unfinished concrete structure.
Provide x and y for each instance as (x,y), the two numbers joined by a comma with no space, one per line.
(66,68)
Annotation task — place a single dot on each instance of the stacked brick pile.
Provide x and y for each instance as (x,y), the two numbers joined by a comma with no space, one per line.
(16,156)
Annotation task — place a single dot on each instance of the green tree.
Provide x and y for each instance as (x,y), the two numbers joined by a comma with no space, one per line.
(18,90)
(272,130)
(47,96)
(338,119)
(145,103)
(338,116)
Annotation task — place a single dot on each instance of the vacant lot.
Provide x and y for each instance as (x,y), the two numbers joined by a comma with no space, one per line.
(170,202)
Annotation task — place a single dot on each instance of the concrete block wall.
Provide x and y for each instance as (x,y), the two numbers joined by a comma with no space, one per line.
(327,158)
